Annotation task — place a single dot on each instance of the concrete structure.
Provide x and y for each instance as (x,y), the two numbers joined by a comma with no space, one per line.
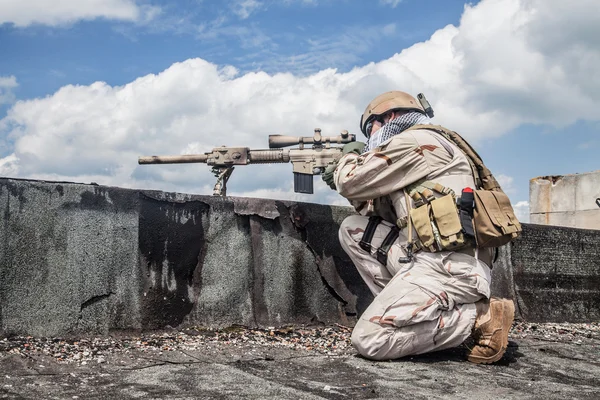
(85,258)
(78,258)
(566,200)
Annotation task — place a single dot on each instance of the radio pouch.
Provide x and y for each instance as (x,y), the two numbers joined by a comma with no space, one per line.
(494,219)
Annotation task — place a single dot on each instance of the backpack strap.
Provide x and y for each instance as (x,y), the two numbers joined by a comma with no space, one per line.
(483,176)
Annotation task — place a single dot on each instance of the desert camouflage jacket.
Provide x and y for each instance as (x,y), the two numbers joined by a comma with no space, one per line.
(381,175)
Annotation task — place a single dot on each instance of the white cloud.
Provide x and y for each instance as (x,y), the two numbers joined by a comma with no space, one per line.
(9,166)
(522,211)
(521,208)
(506,182)
(7,84)
(587,145)
(244,8)
(392,3)
(343,49)
(23,13)
(302,2)
(494,72)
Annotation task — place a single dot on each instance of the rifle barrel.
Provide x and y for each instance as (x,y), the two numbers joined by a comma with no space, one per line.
(181,159)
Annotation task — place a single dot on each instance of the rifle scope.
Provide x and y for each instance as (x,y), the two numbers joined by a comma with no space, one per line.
(279,141)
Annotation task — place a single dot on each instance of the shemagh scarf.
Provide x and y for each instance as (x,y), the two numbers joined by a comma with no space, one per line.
(394,127)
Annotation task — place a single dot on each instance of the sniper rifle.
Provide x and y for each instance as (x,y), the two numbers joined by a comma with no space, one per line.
(306,162)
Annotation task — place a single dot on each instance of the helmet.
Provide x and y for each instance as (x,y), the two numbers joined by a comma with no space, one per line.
(388,101)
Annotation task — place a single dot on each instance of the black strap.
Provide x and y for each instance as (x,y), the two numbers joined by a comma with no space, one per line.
(387,244)
(365,242)
(466,204)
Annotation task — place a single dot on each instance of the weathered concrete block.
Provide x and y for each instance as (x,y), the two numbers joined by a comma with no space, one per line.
(587,191)
(566,200)
(539,197)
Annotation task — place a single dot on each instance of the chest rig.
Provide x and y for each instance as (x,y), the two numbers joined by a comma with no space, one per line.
(479,217)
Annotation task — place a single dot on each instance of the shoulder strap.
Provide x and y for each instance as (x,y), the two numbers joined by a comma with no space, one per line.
(483,176)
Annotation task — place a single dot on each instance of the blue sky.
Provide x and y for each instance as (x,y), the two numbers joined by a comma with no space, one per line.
(87,86)
(44,58)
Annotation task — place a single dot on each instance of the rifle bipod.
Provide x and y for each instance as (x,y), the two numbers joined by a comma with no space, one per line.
(222,174)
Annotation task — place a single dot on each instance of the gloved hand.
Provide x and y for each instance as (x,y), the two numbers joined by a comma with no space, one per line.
(327,176)
(353,147)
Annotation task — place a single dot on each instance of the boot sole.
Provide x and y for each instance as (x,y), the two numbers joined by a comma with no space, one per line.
(508,316)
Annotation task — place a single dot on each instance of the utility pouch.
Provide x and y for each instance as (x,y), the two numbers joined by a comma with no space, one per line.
(494,219)
(446,218)
(422,224)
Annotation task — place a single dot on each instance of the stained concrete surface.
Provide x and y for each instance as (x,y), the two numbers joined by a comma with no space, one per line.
(77,258)
(86,258)
(556,272)
(532,368)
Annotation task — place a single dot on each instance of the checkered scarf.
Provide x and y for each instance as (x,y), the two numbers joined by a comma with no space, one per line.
(394,127)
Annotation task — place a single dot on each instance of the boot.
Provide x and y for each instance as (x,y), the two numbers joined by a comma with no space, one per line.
(492,324)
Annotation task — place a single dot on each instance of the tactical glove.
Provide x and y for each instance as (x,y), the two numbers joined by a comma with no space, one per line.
(353,147)
(327,176)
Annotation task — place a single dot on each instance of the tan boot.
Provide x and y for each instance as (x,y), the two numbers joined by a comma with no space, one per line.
(493,322)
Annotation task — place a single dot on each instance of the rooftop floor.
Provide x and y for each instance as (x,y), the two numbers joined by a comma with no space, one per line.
(549,361)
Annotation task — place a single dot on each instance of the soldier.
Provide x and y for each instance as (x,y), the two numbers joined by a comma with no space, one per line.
(427,298)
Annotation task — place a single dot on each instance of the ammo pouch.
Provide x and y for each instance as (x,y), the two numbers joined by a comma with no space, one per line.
(494,219)
(436,220)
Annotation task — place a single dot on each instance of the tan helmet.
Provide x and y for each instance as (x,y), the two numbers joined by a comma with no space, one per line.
(388,101)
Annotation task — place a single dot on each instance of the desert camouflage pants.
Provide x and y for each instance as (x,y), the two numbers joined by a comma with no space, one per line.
(421,306)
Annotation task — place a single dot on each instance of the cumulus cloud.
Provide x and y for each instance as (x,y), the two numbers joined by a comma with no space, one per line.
(522,211)
(507,183)
(23,13)
(493,72)
(7,84)
(9,166)
(529,59)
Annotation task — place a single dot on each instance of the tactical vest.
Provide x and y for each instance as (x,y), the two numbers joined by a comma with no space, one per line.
(482,216)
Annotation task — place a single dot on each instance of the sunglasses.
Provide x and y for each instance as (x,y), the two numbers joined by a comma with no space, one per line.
(369,126)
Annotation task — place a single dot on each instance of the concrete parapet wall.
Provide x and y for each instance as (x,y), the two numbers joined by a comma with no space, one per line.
(556,273)
(81,258)
(88,258)
(566,200)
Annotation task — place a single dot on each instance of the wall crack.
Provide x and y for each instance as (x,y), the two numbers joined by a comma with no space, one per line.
(93,300)
(329,287)
(299,219)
